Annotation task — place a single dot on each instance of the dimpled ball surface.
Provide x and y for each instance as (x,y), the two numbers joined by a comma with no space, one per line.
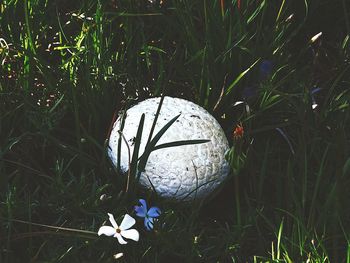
(182,172)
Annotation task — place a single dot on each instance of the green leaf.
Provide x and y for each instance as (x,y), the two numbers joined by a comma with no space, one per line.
(179,143)
(280,11)
(240,76)
(256,12)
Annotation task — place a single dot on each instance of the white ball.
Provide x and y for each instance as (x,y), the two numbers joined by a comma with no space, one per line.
(180,172)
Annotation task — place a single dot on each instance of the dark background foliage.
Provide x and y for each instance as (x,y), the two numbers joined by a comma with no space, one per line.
(68,67)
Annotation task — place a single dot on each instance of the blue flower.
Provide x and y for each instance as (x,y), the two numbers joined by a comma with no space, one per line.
(266,67)
(149,215)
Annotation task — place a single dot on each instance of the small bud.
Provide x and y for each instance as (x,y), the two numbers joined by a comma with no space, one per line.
(289,18)
(118,255)
(315,37)
(195,241)
(103,197)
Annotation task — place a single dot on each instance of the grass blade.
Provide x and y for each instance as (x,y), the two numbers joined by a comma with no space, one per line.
(240,76)
(179,143)
(150,146)
(135,154)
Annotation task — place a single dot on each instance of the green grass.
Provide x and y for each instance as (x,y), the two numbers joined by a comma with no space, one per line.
(68,67)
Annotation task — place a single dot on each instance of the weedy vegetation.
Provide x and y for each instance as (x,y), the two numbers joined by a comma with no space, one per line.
(67,68)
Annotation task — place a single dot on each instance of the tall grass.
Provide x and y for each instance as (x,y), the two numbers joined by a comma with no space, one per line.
(68,67)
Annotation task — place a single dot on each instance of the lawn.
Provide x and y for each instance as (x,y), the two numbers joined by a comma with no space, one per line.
(274,74)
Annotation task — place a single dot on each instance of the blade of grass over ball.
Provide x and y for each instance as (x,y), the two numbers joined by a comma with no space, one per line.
(150,146)
(155,118)
(179,143)
(240,76)
(122,123)
(152,185)
(135,153)
(197,187)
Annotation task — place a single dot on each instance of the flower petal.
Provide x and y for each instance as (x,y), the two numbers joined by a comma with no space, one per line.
(112,220)
(154,212)
(127,222)
(131,234)
(106,230)
(141,210)
(143,203)
(120,239)
(149,223)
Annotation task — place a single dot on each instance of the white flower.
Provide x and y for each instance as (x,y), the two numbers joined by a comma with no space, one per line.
(120,231)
